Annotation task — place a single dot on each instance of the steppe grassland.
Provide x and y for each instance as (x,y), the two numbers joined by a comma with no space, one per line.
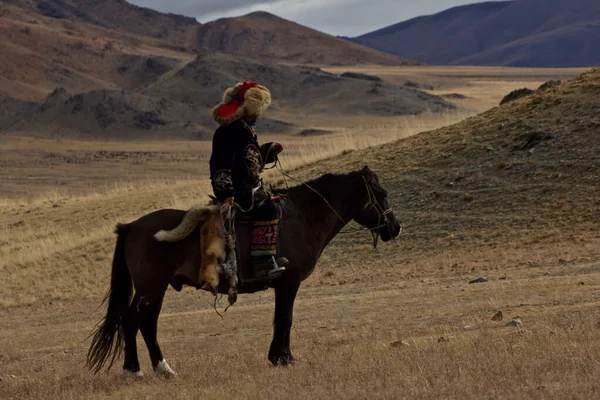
(64,167)
(352,315)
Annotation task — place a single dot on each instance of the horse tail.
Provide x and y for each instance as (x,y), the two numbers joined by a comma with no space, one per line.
(191,220)
(107,342)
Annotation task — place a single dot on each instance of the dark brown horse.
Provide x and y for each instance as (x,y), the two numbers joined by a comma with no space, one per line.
(313,215)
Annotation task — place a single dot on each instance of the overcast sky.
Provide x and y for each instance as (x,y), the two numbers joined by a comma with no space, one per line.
(336,17)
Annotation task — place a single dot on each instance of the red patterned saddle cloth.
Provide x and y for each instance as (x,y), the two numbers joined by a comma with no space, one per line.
(254,239)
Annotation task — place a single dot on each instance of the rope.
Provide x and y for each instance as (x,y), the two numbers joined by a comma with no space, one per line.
(280,169)
(372,202)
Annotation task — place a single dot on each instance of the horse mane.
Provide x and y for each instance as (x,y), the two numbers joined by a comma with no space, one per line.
(318,184)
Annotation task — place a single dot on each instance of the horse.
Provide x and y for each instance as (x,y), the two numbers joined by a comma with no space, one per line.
(313,214)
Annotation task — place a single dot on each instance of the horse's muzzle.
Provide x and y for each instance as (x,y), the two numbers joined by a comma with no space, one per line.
(391,230)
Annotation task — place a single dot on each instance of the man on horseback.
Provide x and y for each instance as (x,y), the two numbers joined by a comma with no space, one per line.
(236,164)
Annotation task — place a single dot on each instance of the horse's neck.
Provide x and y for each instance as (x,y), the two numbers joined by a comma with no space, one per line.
(327,215)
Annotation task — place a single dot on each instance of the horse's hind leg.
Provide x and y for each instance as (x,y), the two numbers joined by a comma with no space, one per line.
(130,328)
(148,314)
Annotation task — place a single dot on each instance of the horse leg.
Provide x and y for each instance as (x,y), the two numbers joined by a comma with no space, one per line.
(285,294)
(149,311)
(131,326)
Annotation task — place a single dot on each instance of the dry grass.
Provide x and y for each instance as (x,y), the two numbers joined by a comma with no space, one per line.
(347,339)
(360,134)
(483,86)
(352,315)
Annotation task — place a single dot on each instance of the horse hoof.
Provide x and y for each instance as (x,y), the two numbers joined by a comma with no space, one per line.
(135,374)
(287,361)
(163,369)
(283,361)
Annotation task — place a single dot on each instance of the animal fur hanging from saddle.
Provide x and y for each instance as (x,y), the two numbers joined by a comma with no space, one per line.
(217,248)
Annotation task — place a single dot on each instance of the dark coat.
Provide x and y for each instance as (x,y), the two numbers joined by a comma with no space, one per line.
(237,161)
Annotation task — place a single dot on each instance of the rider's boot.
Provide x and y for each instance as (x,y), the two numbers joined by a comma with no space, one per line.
(265,261)
(269,266)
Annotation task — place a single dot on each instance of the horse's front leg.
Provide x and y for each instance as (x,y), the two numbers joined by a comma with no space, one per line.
(285,294)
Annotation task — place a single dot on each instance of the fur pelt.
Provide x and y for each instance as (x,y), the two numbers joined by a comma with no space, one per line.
(213,252)
(256,101)
(192,219)
(212,243)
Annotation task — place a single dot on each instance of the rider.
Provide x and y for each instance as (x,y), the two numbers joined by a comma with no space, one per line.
(235,167)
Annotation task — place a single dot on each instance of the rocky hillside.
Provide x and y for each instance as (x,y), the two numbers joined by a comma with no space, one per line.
(533,33)
(257,35)
(39,54)
(305,89)
(262,35)
(117,15)
(527,171)
(179,101)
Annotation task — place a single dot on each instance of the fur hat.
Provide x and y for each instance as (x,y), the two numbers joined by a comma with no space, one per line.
(244,99)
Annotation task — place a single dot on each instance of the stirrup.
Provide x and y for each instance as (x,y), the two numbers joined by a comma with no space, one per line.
(278,266)
(270,267)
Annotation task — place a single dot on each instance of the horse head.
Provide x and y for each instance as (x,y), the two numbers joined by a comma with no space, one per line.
(377,214)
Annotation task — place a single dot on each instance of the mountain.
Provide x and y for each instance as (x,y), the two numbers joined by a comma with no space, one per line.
(307,89)
(257,35)
(261,35)
(534,33)
(118,15)
(178,102)
(108,69)
(39,53)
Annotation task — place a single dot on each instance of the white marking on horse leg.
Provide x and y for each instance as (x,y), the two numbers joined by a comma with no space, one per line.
(164,369)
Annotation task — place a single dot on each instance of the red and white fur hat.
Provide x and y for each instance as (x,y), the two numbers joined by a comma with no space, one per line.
(244,99)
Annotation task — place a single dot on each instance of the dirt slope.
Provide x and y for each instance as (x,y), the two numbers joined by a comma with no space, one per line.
(535,33)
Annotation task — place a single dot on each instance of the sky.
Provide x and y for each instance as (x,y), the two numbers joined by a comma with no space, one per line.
(336,17)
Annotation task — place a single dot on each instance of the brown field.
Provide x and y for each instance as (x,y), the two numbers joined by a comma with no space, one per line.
(399,322)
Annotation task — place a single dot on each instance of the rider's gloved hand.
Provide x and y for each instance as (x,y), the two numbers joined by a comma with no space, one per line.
(269,152)
(277,147)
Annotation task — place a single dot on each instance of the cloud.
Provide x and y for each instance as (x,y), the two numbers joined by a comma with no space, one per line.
(200,8)
(336,17)
(330,16)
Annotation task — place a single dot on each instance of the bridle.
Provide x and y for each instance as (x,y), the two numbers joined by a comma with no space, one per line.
(371,203)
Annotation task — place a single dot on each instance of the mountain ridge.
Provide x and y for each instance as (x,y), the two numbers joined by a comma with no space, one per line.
(256,35)
(529,33)
(267,36)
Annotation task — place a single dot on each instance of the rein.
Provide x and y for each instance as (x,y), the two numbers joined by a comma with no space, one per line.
(371,203)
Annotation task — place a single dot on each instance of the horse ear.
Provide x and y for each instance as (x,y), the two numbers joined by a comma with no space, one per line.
(366,169)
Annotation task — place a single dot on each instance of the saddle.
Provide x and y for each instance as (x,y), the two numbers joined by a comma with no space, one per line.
(250,279)
(224,258)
